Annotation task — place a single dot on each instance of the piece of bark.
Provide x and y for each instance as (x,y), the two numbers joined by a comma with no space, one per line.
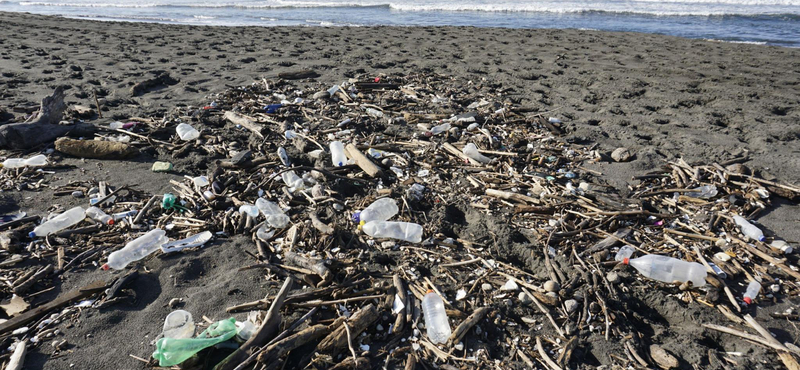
(43,127)
(400,287)
(162,79)
(467,324)
(609,241)
(22,288)
(362,161)
(27,317)
(17,358)
(319,225)
(298,75)
(269,328)
(337,340)
(365,86)
(662,358)
(312,264)
(95,149)
(350,364)
(284,346)
(244,121)
(411,362)
(507,195)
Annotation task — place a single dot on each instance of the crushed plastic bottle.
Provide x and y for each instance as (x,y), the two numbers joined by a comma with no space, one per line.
(122,215)
(380,210)
(98,215)
(35,161)
(664,268)
(273,213)
(471,150)
(749,230)
(704,192)
(435,318)
(436,130)
(293,181)
(284,157)
(178,324)
(407,231)
(172,351)
(190,242)
(752,292)
(137,249)
(60,222)
(338,158)
(249,209)
(186,132)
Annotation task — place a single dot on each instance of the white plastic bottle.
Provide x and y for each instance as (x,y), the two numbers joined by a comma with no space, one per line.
(407,231)
(436,130)
(273,213)
(249,209)
(664,268)
(35,161)
(472,151)
(178,325)
(780,245)
(752,291)
(337,154)
(60,222)
(122,215)
(137,249)
(749,230)
(435,318)
(186,132)
(380,210)
(98,215)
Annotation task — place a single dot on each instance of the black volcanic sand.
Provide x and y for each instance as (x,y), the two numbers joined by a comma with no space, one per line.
(663,97)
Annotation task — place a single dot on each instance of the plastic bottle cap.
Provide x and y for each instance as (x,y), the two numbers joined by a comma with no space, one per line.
(762,238)
(105,267)
(625,260)
(111,222)
(748,300)
(31,234)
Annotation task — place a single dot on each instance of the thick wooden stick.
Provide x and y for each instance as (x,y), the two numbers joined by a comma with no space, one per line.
(467,324)
(336,341)
(284,346)
(244,121)
(362,161)
(544,355)
(27,317)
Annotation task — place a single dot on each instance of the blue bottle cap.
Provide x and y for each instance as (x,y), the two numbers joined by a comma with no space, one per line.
(357,217)
(32,235)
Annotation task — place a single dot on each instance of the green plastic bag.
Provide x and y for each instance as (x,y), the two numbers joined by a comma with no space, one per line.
(171,351)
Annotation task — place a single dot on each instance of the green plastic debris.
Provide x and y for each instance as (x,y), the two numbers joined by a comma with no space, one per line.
(171,351)
(162,167)
(168,202)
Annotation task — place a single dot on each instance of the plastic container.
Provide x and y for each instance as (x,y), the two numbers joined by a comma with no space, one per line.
(752,292)
(337,154)
(273,213)
(60,222)
(436,130)
(664,268)
(293,181)
(200,181)
(98,215)
(122,215)
(186,132)
(780,245)
(435,318)
(380,210)
(190,242)
(178,324)
(407,231)
(749,230)
(35,161)
(249,209)
(472,151)
(172,351)
(137,249)
(704,192)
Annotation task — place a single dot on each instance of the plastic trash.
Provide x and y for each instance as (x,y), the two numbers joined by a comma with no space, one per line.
(137,249)
(374,113)
(60,222)
(272,108)
(704,192)
(159,166)
(186,132)
(246,329)
(200,181)
(435,318)
(780,245)
(168,201)
(436,130)
(265,233)
(190,242)
(664,268)
(249,209)
(172,351)
(273,213)
(407,231)
(122,215)
(178,325)
(749,230)
(337,154)
(380,210)
(752,292)
(472,151)
(293,181)
(35,161)
(98,215)
(284,157)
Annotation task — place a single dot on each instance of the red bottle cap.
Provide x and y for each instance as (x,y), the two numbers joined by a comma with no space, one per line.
(748,300)
(105,267)
(111,221)
(625,261)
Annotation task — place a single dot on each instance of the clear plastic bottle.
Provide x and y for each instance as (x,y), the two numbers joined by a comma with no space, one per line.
(752,292)
(60,222)
(178,325)
(780,245)
(137,249)
(435,318)
(249,209)
(749,230)
(380,210)
(98,215)
(186,132)
(273,213)
(436,130)
(284,157)
(200,181)
(35,161)
(122,215)
(407,231)
(293,181)
(705,192)
(472,151)
(664,268)
(337,154)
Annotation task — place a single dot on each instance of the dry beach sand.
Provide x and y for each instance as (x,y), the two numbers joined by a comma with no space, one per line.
(663,97)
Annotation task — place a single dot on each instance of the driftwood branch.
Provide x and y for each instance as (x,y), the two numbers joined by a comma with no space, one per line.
(337,340)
